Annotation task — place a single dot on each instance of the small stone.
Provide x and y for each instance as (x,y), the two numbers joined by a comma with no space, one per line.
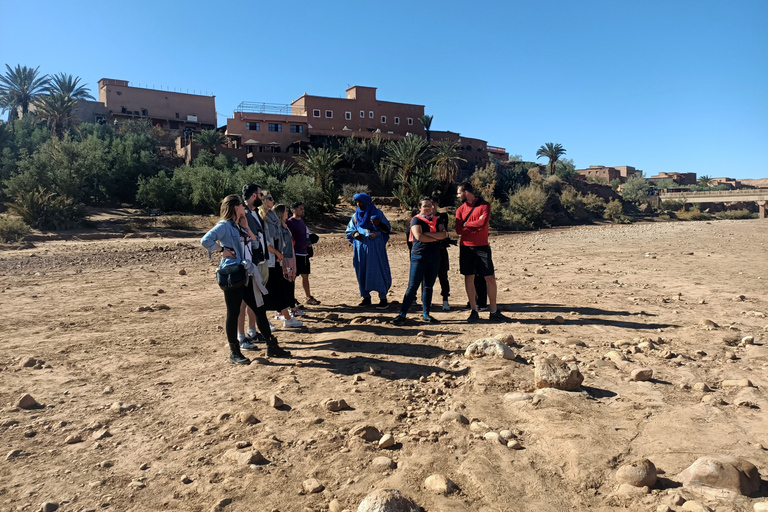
(540,330)
(312,486)
(29,362)
(26,401)
(514,445)
(240,445)
(638,474)
(505,338)
(494,438)
(551,372)
(695,506)
(708,324)
(182,272)
(760,506)
(663,508)
(381,464)
(335,405)
(185,479)
(221,504)
(440,484)
(675,500)
(143,466)
(632,491)
(449,416)
(247,417)
(642,374)
(121,407)
(700,386)
(386,441)
(49,506)
(247,458)
(367,432)
(615,357)
(73,439)
(507,435)
(387,500)
(722,472)
(162,307)
(100,434)
(742,383)
(275,401)
(488,347)
(334,506)
(559,320)
(13,454)
(747,340)
(372,368)
(108,390)
(517,396)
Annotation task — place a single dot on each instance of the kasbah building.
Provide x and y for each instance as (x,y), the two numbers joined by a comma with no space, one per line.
(261,132)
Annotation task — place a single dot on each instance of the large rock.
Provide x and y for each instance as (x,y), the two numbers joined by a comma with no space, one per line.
(440,484)
(367,432)
(488,347)
(449,416)
(27,402)
(335,405)
(639,474)
(387,500)
(247,458)
(382,464)
(722,472)
(551,372)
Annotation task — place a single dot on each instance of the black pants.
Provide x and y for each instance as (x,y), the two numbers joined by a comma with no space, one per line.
(481,291)
(233,299)
(442,274)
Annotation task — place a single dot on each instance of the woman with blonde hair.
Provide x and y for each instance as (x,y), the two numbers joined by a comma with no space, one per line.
(237,275)
(284,294)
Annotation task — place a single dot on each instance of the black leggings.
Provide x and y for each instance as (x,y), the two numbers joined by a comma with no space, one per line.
(233,299)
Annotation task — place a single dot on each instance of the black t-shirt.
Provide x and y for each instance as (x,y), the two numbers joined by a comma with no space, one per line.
(426,248)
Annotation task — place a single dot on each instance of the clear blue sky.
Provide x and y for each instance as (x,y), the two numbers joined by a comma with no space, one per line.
(672,85)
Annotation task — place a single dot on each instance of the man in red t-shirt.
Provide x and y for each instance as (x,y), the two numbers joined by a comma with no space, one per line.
(472,219)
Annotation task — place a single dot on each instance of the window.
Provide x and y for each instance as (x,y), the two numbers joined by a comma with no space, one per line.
(99,119)
(297,128)
(410,120)
(397,120)
(123,110)
(362,113)
(329,113)
(370,114)
(174,125)
(253,126)
(347,115)
(144,112)
(316,113)
(177,115)
(383,119)
(275,127)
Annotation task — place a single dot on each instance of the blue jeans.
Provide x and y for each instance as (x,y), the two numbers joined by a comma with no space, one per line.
(424,271)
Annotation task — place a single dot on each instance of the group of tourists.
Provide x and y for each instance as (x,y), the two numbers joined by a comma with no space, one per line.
(264,247)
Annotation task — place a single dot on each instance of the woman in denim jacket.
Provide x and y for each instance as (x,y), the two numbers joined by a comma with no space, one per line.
(231,237)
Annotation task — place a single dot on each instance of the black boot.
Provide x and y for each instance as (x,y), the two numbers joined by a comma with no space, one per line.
(273,350)
(237,357)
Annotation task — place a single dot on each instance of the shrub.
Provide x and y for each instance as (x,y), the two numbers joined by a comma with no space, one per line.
(635,189)
(614,212)
(573,203)
(526,208)
(348,191)
(158,192)
(12,229)
(178,222)
(138,224)
(736,214)
(694,214)
(484,181)
(45,210)
(594,204)
(672,205)
(598,180)
(303,188)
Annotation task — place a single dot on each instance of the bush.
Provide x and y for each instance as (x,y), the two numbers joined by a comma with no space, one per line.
(573,203)
(694,214)
(526,208)
(594,204)
(138,224)
(484,181)
(348,191)
(12,229)
(159,192)
(178,222)
(45,210)
(672,205)
(303,188)
(635,189)
(736,214)
(614,212)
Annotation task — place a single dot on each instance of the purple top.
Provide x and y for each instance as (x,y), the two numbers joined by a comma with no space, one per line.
(299,233)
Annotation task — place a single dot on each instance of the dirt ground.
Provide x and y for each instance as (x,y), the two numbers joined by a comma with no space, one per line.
(114,321)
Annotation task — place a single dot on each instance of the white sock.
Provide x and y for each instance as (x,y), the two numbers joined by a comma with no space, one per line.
(445,304)
(251,332)
(240,336)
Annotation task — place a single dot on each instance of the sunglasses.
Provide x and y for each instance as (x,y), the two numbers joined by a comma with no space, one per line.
(270,198)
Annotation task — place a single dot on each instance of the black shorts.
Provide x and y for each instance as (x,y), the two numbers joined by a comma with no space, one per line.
(475,260)
(302,265)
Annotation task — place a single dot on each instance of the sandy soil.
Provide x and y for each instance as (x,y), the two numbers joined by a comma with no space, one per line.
(74,307)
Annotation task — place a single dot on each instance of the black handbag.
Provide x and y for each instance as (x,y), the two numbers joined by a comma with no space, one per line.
(231,277)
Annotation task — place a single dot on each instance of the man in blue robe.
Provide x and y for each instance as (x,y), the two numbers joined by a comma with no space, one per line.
(368,231)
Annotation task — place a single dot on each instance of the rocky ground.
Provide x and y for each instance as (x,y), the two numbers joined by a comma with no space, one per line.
(121,344)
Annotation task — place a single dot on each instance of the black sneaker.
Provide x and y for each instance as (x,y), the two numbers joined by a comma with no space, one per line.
(383,304)
(430,319)
(365,303)
(256,338)
(497,316)
(312,301)
(277,351)
(238,359)
(398,320)
(473,317)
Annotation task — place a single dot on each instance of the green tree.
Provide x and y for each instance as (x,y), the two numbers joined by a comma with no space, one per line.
(68,85)
(427,122)
(565,169)
(406,155)
(320,164)
(704,181)
(56,110)
(19,88)
(445,157)
(635,189)
(553,151)
(615,184)
(210,140)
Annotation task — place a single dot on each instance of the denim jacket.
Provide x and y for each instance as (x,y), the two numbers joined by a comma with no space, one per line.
(227,235)
(285,242)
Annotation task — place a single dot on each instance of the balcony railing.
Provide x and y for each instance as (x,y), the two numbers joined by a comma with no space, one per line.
(269,108)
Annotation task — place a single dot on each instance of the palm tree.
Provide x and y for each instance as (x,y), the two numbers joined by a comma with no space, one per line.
(406,155)
(210,140)
(446,159)
(70,86)
(320,163)
(553,151)
(704,181)
(56,110)
(19,87)
(427,122)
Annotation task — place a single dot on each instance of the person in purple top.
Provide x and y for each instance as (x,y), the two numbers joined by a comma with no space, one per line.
(301,247)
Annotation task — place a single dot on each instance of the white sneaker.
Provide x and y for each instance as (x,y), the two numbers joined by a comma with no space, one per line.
(298,312)
(272,327)
(292,323)
(279,316)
